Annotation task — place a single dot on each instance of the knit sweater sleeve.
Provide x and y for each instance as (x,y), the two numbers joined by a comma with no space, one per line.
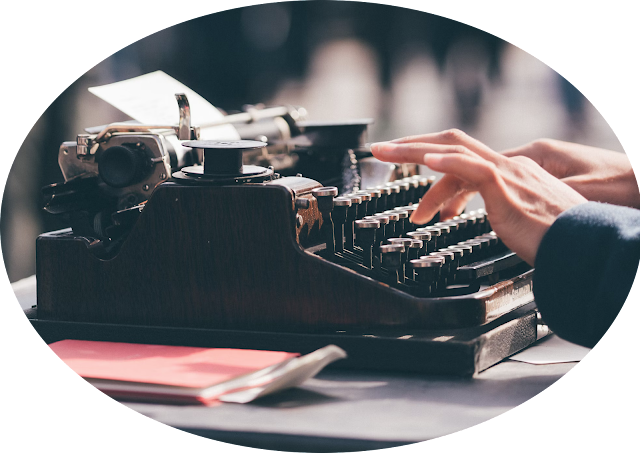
(585,266)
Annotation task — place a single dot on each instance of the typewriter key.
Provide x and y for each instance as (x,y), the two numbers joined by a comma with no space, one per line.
(393,221)
(392,199)
(352,216)
(373,203)
(467,253)
(324,197)
(392,261)
(403,197)
(363,210)
(340,207)
(366,238)
(383,201)
(403,221)
(427,273)
(412,193)
(382,233)
(424,237)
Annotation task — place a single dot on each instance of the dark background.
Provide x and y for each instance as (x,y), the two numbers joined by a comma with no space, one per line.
(412,71)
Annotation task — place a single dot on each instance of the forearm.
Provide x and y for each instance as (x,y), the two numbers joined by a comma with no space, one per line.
(585,267)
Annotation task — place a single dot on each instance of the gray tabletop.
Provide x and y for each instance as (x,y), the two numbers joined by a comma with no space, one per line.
(348,410)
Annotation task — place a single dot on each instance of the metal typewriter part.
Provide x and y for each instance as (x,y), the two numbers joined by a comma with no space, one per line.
(232,255)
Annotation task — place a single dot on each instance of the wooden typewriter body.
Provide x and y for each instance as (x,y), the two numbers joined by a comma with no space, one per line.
(230,257)
(241,266)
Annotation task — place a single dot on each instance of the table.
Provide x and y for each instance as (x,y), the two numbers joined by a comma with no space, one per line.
(346,410)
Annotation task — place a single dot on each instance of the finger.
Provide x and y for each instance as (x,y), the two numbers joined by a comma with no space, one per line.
(452,137)
(411,152)
(456,205)
(469,168)
(447,188)
(526,150)
(463,172)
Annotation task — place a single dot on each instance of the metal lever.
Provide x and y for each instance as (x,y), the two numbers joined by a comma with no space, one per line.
(184,126)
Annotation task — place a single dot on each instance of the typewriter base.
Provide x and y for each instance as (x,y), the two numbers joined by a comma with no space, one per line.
(457,352)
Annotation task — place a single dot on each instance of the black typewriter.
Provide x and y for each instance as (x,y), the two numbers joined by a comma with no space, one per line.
(218,252)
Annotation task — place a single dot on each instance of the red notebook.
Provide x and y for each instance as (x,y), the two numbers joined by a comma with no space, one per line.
(165,373)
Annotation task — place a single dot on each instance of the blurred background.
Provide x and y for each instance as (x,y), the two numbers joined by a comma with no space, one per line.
(411,71)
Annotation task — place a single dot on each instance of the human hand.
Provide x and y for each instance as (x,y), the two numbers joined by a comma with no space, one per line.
(522,200)
(597,174)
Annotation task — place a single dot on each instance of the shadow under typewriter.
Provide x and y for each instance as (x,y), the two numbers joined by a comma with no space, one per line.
(269,262)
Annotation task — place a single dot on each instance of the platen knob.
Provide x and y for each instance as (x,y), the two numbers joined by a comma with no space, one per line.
(121,166)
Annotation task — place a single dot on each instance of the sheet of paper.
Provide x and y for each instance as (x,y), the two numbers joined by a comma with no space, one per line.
(290,374)
(150,99)
(551,349)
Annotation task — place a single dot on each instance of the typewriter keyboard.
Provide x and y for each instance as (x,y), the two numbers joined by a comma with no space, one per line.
(369,232)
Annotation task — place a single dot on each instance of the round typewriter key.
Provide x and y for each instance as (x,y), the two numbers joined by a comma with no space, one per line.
(427,272)
(403,194)
(425,237)
(412,192)
(463,232)
(496,243)
(471,219)
(486,246)
(367,224)
(366,198)
(352,216)
(404,242)
(482,224)
(444,239)
(325,196)
(436,241)
(448,259)
(384,196)
(454,233)
(366,238)
(393,198)
(466,250)
(415,249)
(361,206)
(455,262)
(340,208)
(341,201)
(421,235)
(403,222)
(476,249)
(392,261)
(372,208)
(393,220)
(410,210)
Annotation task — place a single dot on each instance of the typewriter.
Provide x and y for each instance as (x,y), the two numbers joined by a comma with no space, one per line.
(207,247)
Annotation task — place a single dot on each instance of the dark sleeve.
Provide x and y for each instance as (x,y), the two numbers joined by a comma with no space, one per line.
(585,267)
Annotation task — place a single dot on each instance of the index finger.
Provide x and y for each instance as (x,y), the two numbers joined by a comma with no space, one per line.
(454,137)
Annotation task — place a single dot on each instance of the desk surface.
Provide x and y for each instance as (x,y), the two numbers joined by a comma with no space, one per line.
(348,411)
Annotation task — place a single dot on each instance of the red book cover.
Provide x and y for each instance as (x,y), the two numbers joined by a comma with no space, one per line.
(157,365)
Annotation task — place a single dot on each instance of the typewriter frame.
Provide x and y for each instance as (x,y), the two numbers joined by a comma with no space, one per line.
(166,285)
